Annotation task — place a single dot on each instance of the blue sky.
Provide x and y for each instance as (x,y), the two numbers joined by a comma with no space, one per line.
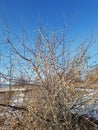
(82,13)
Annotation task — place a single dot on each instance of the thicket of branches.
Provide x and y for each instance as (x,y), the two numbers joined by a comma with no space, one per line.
(52,62)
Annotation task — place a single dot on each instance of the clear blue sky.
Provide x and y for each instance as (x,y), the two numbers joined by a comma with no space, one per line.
(83,13)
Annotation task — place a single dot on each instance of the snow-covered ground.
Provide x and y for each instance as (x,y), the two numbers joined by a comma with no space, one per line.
(5,89)
(90,95)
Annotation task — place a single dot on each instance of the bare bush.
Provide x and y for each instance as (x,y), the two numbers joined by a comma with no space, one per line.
(55,71)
